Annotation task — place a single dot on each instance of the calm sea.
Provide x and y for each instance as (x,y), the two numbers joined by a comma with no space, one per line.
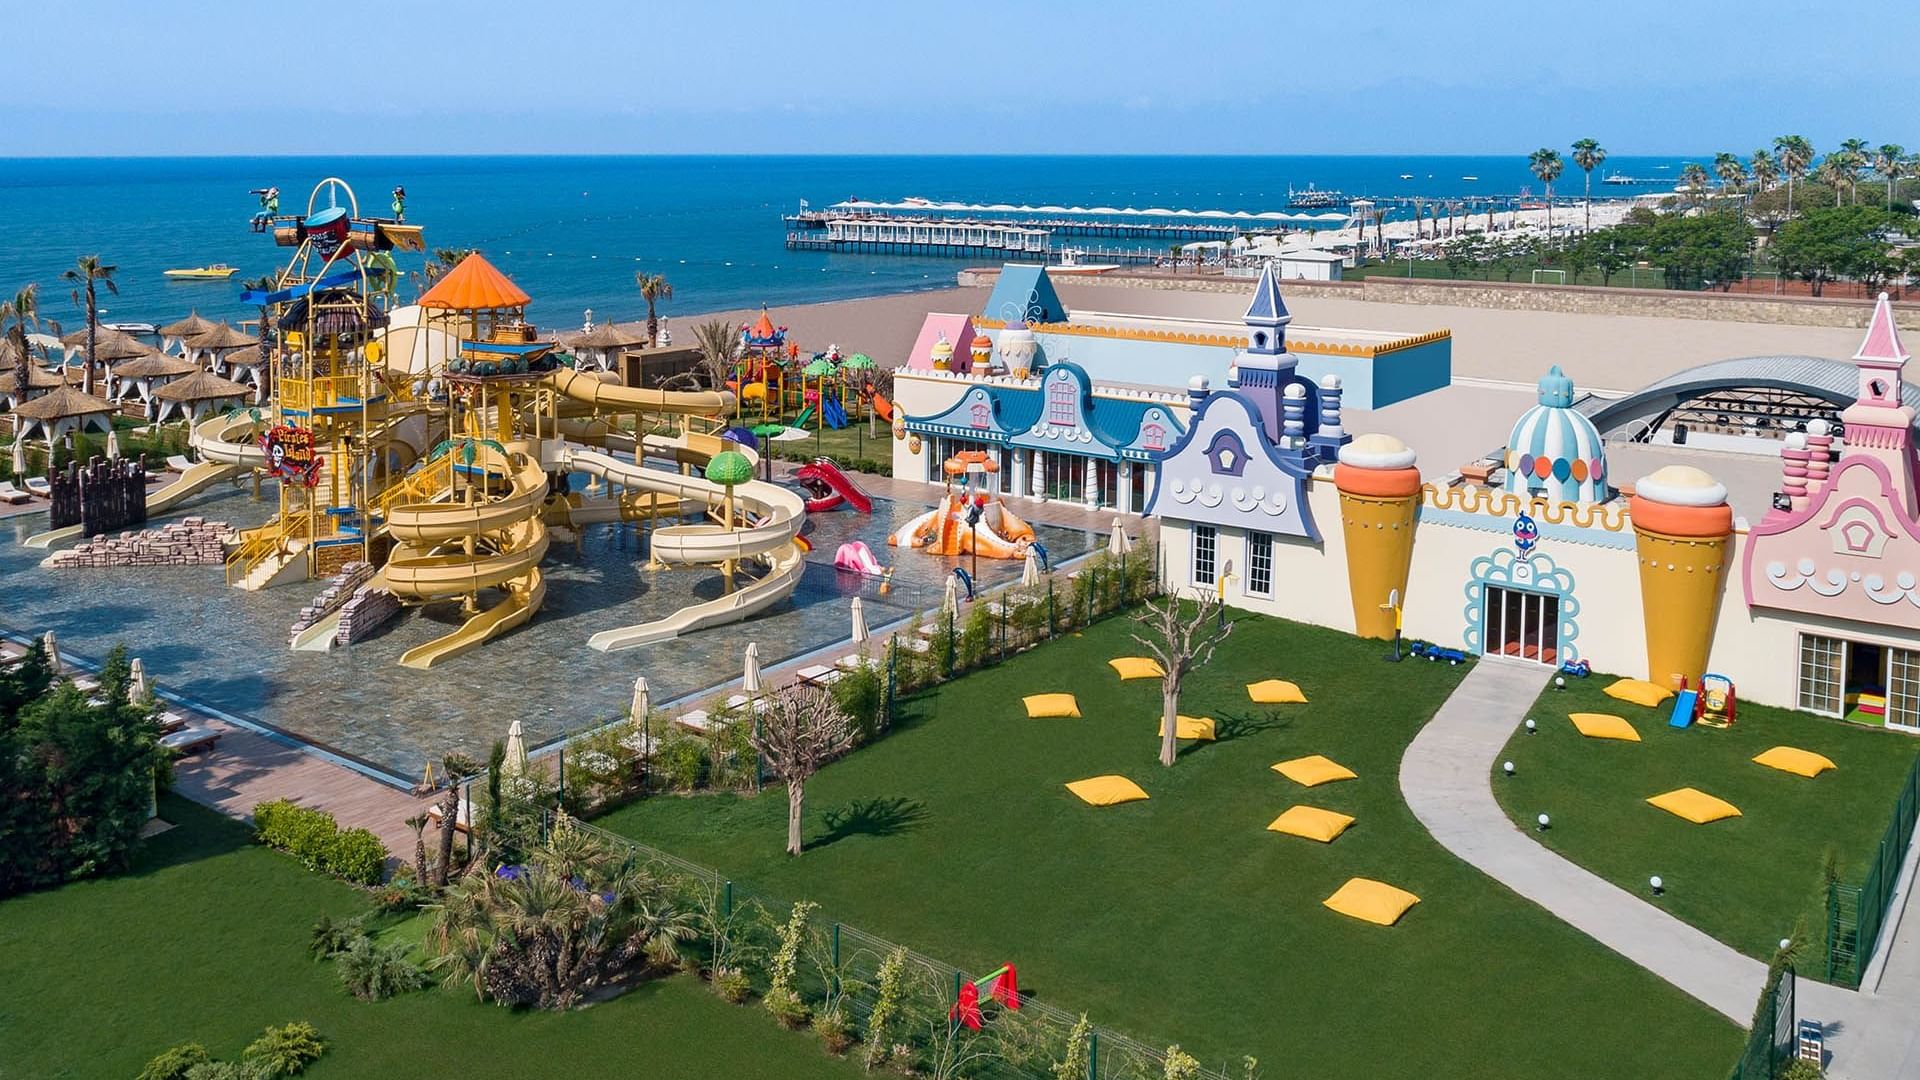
(572,230)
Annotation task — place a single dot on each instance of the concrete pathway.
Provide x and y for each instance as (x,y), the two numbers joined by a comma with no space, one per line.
(1446,777)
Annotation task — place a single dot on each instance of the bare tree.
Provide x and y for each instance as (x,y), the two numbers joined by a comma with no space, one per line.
(1181,642)
(799,730)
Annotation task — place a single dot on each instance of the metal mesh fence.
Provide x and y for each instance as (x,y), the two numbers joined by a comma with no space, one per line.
(1771,1042)
(854,974)
(1856,913)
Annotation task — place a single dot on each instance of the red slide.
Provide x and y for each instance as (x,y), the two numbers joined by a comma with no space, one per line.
(831,487)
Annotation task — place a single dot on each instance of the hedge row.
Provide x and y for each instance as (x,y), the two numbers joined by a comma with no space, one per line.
(313,837)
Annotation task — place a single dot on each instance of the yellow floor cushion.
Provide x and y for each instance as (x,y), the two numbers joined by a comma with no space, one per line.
(1374,901)
(1189,727)
(1313,770)
(1311,822)
(1106,790)
(1051,705)
(1695,805)
(1599,725)
(1796,761)
(1137,667)
(1276,692)
(1639,691)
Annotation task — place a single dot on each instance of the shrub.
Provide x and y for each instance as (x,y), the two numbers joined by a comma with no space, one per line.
(834,1031)
(862,694)
(286,1050)
(227,1070)
(397,896)
(732,985)
(173,1062)
(681,763)
(786,1007)
(331,938)
(373,972)
(357,855)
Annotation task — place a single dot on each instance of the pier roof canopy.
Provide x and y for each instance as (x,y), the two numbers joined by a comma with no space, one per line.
(474,285)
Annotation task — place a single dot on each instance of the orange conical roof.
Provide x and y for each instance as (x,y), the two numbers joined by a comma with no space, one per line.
(474,285)
(764,328)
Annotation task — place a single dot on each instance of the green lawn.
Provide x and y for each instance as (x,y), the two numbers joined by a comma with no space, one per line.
(205,940)
(1745,880)
(1181,918)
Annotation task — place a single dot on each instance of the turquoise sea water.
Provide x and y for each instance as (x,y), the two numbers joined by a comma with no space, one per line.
(572,230)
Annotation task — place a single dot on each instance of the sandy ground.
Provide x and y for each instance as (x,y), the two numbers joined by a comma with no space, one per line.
(1601,352)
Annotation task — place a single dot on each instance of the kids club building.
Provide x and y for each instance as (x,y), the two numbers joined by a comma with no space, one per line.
(1081,407)
(1265,500)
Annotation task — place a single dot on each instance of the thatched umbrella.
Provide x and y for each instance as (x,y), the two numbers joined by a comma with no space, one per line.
(212,343)
(145,373)
(198,394)
(109,346)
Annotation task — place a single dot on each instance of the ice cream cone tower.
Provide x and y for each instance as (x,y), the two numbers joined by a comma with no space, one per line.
(1681,525)
(1379,501)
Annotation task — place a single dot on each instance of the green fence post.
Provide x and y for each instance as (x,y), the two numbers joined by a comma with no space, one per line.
(1093,1054)
(1049,607)
(726,898)
(836,958)
(893,659)
(952,640)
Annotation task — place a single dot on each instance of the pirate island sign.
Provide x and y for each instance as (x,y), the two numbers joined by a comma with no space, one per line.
(290,456)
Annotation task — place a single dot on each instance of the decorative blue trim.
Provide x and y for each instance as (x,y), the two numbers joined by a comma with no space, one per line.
(1504,568)
(1502,526)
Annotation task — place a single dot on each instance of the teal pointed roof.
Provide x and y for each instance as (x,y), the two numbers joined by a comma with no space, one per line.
(1267,309)
(1025,294)
(1556,389)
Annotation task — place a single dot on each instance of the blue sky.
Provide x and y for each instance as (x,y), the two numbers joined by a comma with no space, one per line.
(1075,76)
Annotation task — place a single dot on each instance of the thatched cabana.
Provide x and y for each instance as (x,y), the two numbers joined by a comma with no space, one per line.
(604,342)
(191,326)
(206,346)
(110,346)
(39,381)
(139,377)
(247,366)
(60,412)
(197,395)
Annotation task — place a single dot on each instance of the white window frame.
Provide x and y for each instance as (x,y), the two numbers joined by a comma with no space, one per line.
(1802,674)
(1903,667)
(1255,558)
(1211,536)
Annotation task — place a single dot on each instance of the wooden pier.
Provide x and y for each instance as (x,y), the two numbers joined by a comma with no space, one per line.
(915,237)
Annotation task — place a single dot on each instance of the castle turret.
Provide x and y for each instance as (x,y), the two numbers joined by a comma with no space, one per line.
(1379,501)
(1263,370)
(1879,424)
(1681,525)
(1555,453)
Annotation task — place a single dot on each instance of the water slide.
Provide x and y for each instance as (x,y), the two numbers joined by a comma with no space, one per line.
(831,487)
(602,392)
(943,530)
(453,549)
(775,513)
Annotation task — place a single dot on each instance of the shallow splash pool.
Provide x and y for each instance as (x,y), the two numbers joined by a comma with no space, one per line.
(228,648)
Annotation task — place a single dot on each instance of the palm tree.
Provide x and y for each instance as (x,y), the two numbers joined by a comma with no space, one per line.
(1890,162)
(1795,154)
(87,275)
(1588,154)
(1858,156)
(1765,172)
(718,342)
(15,316)
(653,289)
(1832,171)
(1732,174)
(1693,177)
(1546,165)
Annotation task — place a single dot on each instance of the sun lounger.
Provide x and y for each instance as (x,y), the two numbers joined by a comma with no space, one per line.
(700,722)
(171,722)
(178,463)
(819,674)
(39,486)
(190,739)
(461,817)
(851,661)
(13,495)
(750,704)
(919,645)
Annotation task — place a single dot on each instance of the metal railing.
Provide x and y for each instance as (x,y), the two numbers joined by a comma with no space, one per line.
(1856,913)
(258,545)
(1774,1036)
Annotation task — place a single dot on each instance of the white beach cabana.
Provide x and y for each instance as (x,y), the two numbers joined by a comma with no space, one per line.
(246,366)
(207,346)
(196,396)
(138,378)
(60,412)
(602,343)
(176,333)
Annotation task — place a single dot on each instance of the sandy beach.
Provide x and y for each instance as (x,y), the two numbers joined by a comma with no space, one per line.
(1601,352)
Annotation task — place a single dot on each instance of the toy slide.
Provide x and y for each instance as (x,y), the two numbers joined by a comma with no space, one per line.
(856,556)
(943,530)
(882,407)
(805,418)
(1683,705)
(773,538)
(445,550)
(602,392)
(835,416)
(831,487)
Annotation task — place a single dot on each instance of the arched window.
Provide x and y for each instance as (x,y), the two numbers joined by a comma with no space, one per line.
(1259,339)
(1062,409)
(982,415)
(1153,437)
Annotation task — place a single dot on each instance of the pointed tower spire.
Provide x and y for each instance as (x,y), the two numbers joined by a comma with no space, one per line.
(1267,315)
(1879,423)
(1882,343)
